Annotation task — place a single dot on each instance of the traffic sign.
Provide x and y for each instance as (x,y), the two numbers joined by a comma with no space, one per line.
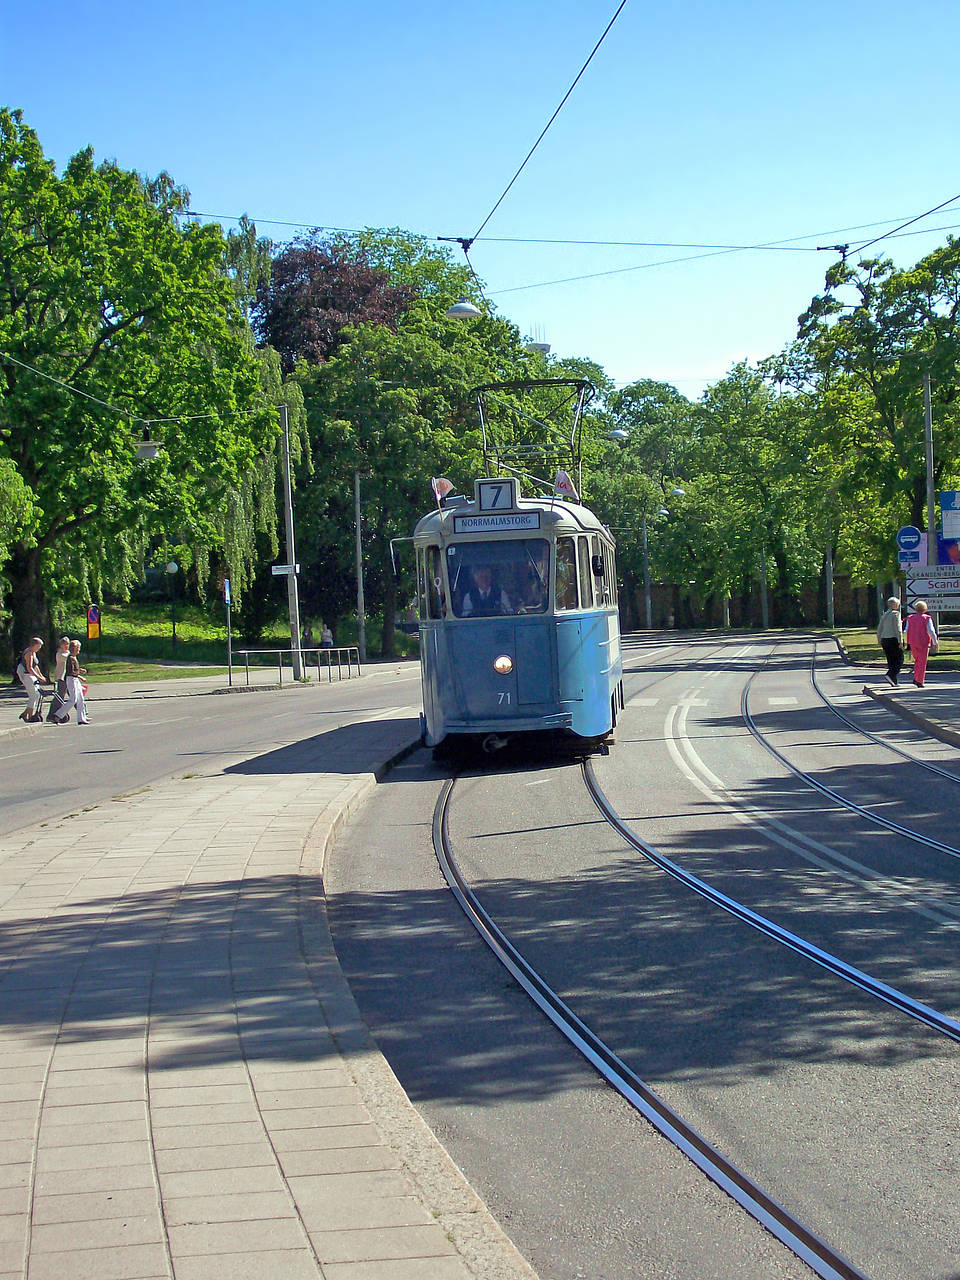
(909,557)
(939,585)
(279,569)
(909,538)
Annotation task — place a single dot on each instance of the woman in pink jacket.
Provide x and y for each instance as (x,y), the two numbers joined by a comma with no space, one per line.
(921,637)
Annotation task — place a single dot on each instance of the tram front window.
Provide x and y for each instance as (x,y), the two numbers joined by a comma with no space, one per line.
(493,579)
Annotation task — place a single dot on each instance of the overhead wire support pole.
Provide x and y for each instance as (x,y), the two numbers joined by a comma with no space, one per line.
(293,600)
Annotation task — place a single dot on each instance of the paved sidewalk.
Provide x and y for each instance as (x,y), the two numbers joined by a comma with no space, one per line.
(187,1089)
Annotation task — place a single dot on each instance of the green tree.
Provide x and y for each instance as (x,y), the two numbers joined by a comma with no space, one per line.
(866,343)
(115,321)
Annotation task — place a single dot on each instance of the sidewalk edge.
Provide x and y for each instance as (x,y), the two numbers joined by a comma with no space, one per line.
(481,1243)
(933,727)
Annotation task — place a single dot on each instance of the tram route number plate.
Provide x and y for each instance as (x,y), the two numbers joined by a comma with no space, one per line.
(496,524)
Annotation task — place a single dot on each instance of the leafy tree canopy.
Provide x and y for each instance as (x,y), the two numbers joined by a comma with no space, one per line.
(116,321)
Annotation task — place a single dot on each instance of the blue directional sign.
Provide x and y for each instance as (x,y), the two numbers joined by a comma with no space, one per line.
(909,557)
(909,538)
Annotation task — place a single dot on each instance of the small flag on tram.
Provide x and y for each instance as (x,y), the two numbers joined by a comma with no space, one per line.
(565,486)
(441,486)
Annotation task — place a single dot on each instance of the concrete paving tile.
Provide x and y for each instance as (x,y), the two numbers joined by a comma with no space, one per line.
(62,1136)
(170,1096)
(286,1264)
(307,1116)
(26,1091)
(14,1199)
(112,1178)
(126,1262)
(447,1268)
(217,1182)
(206,1135)
(250,1206)
(13,1130)
(13,1176)
(268,1078)
(214,1113)
(381,1243)
(316,1095)
(228,1156)
(332,1189)
(13,1228)
(340,1160)
(246,1237)
(92,1113)
(16,1151)
(11,1255)
(327,1118)
(97,1233)
(84,1205)
(328,1138)
(93,1156)
(106,1087)
(361,1214)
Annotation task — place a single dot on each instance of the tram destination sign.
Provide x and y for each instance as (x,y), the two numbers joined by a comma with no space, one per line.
(504,523)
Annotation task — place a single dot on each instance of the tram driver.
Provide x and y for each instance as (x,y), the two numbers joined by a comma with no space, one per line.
(485,598)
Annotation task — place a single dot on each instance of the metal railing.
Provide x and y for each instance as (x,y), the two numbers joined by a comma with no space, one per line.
(344,656)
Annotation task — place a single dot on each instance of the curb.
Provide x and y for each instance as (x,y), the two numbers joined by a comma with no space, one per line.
(482,1245)
(933,727)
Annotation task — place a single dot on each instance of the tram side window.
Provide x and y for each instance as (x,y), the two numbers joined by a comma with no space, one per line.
(436,604)
(603,586)
(421,584)
(566,574)
(586,577)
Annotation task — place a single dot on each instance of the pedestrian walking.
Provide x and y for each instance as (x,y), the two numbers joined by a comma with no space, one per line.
(74,688)
(30,676)
(60,678)
(890,635)
(921,637)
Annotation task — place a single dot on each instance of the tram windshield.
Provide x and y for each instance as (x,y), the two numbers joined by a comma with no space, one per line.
(492,579)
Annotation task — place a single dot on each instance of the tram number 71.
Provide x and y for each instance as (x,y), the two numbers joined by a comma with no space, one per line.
(504,697)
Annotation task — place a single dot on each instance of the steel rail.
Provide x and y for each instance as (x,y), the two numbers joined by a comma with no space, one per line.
(887,823)
(824,1260)
(931,1018)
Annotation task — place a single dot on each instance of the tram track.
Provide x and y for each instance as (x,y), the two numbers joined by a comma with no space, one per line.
(763,1207)
(748,1194)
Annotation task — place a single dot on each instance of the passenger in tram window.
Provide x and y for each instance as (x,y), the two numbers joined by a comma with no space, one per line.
(485,599)
(533,593)
(566,574)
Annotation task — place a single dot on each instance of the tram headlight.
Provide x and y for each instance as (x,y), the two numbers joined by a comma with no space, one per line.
(503,665)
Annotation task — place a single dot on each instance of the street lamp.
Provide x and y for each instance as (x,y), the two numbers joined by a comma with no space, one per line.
(463,310)
(172,570)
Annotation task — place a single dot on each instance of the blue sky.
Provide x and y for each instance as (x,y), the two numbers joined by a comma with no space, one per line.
(732,123)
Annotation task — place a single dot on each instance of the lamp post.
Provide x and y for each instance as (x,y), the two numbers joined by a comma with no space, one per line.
(361,614)
(293,600)
(172,570)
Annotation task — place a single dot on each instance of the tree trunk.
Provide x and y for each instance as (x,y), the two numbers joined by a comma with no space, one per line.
(28,602)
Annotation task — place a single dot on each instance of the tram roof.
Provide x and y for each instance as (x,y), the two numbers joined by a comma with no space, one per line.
(555,513)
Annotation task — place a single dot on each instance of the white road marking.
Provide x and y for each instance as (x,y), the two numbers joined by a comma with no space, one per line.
(783,702)
(820,855)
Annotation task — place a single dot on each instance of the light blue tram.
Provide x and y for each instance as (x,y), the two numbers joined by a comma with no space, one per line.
(519,629)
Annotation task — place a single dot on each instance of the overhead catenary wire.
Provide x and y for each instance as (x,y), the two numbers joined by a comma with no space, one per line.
(546,127)
(920,216)
(694,257)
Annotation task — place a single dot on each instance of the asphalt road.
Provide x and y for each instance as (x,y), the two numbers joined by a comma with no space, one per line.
(140,733)
(842,1108)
